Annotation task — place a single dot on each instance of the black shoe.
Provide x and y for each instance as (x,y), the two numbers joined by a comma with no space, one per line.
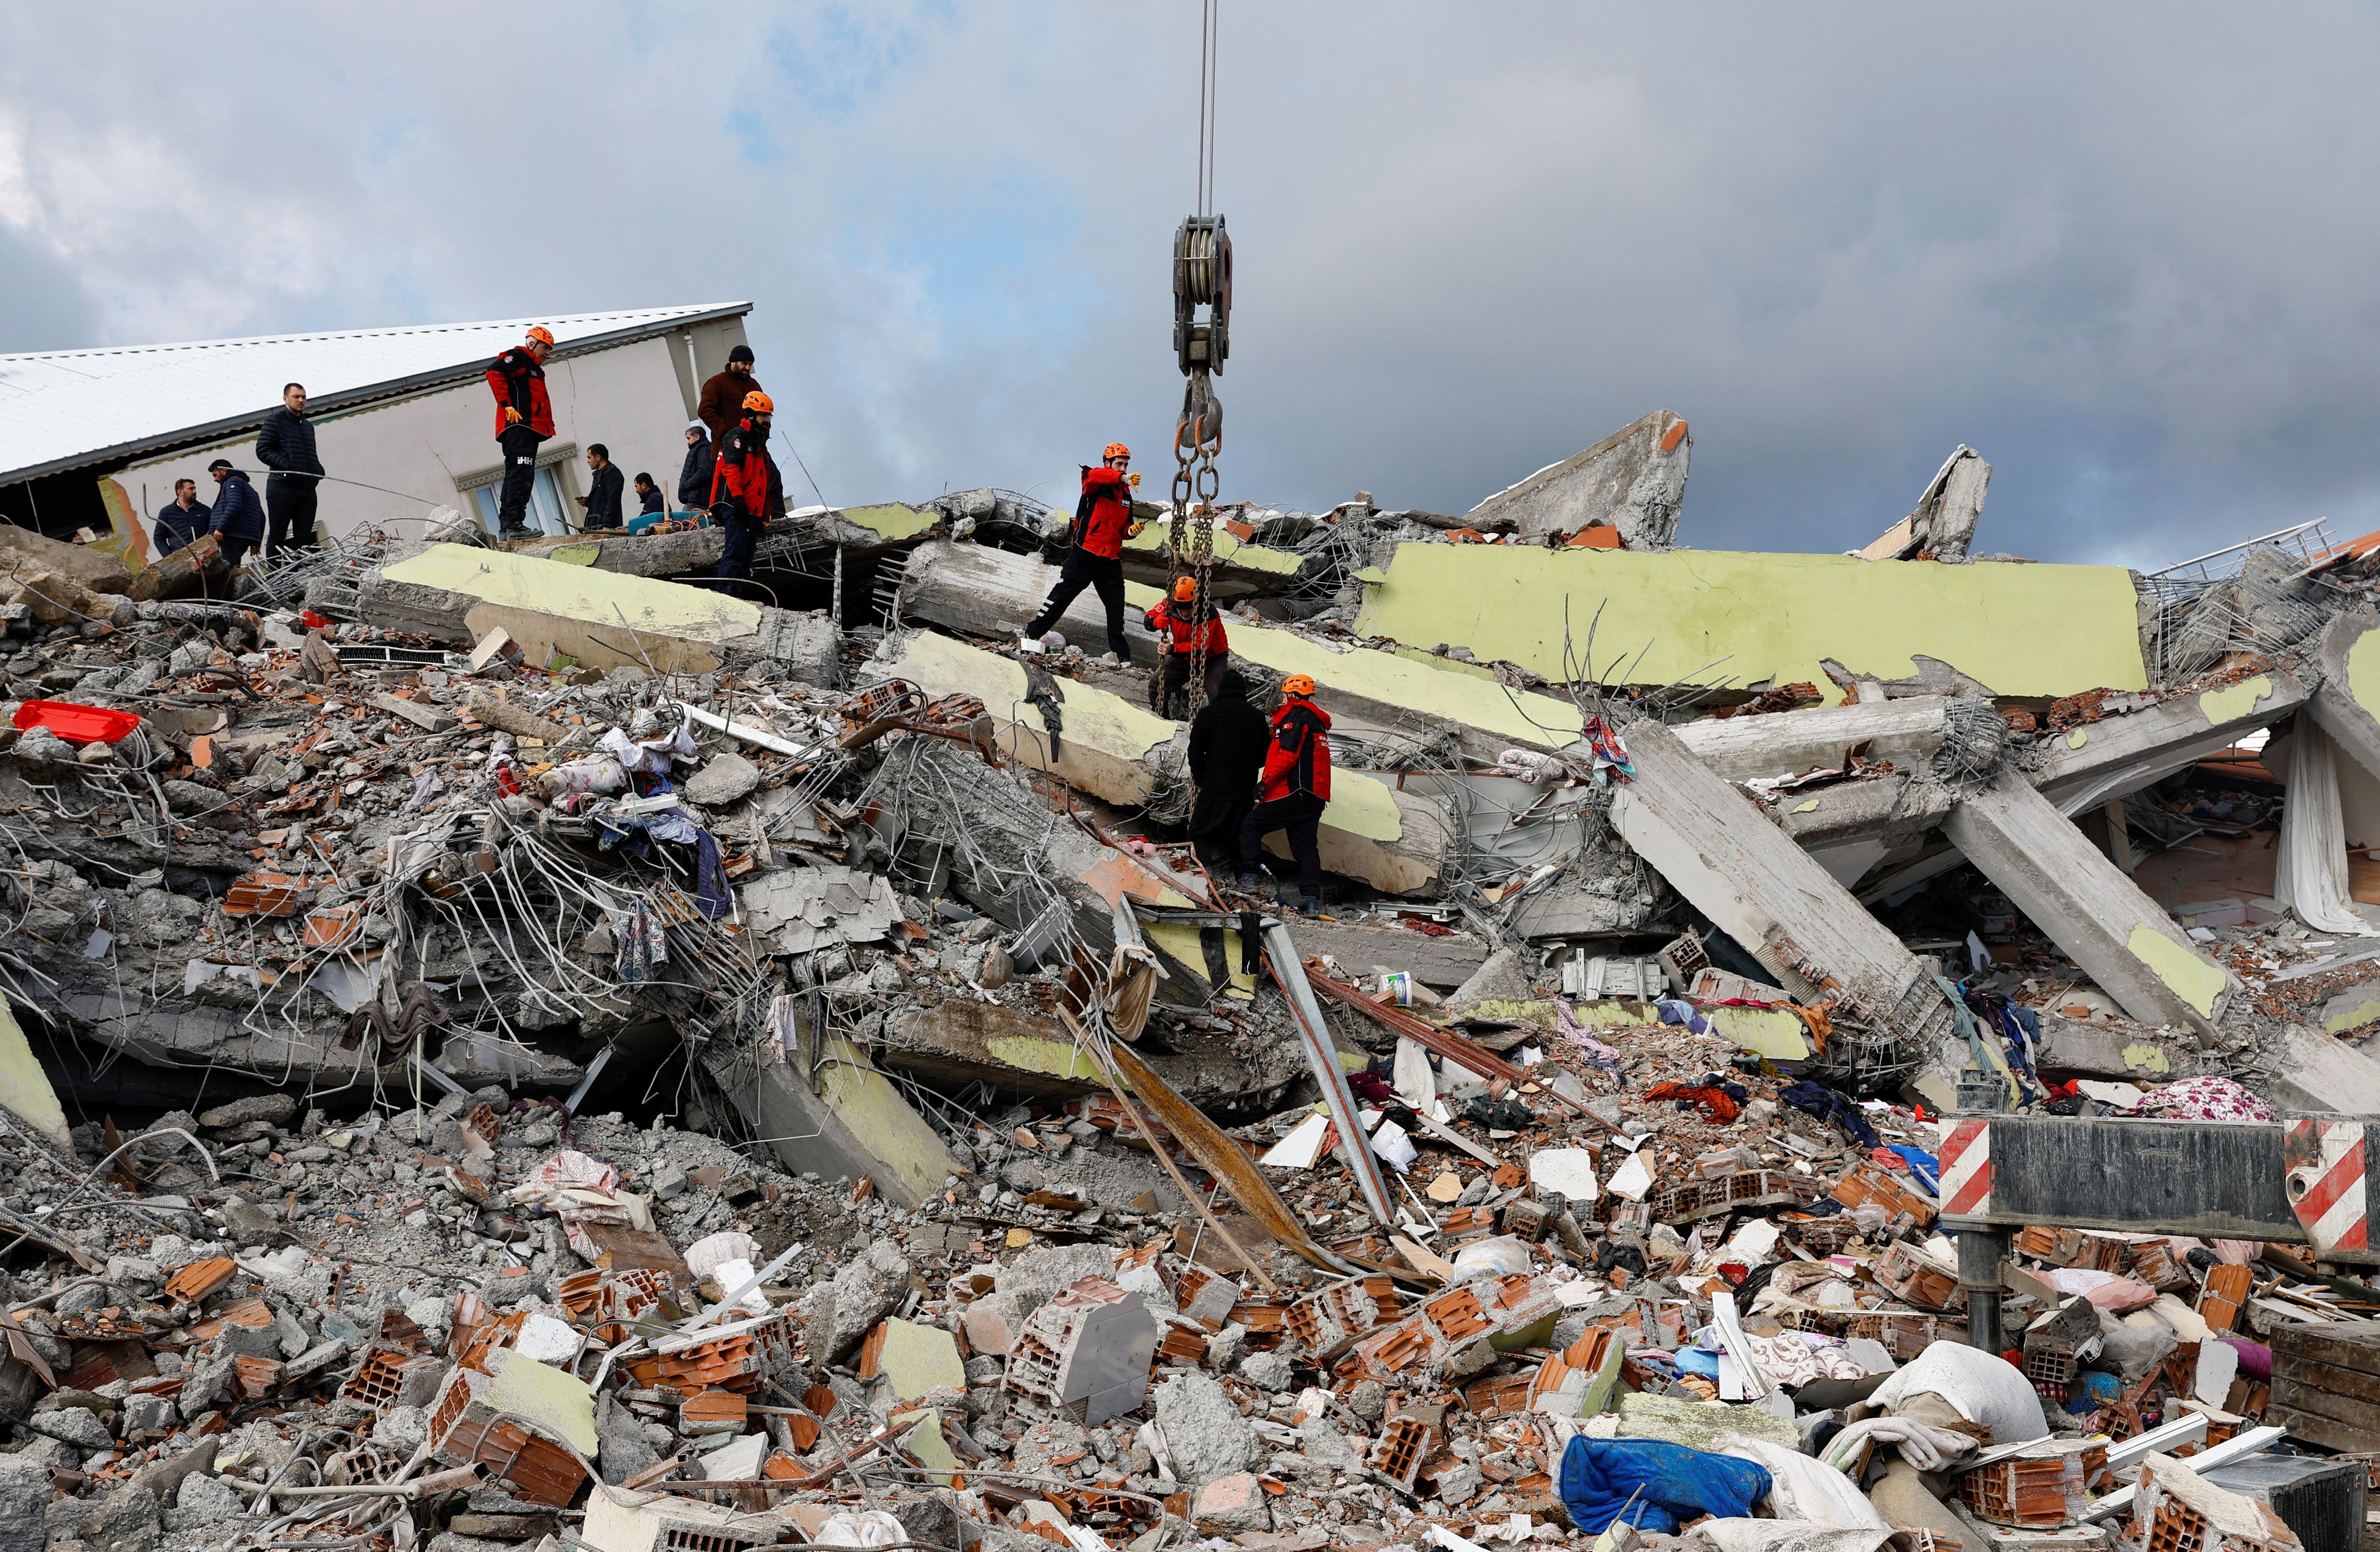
(1309,904)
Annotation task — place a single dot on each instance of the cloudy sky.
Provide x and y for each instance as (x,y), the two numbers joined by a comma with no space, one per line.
(2127,252)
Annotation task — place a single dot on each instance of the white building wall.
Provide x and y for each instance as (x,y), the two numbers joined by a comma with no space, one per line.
(628,397)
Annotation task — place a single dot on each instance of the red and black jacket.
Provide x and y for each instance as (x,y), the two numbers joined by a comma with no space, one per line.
(1179,620)
(749,474)
(1297,760)
(1103,513)
(518,382)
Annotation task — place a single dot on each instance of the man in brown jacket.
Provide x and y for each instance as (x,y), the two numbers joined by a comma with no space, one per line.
(722,397)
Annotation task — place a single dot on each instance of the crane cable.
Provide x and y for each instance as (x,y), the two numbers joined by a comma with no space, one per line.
(1202,278)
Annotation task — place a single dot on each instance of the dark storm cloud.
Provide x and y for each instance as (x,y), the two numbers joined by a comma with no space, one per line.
(2128,253)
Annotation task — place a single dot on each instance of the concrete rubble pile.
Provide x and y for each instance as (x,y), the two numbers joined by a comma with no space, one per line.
(511,1047)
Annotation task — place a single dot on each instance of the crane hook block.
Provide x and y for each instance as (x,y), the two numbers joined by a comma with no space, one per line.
(1202,278)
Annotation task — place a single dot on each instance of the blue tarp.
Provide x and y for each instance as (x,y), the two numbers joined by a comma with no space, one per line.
(1669,1483)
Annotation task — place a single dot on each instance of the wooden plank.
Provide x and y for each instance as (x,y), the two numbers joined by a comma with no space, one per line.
(2324,1431)
(2339,1408)
(2353,1344)
(2304,1375)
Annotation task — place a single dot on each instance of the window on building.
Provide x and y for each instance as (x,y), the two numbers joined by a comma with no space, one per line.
(550,495)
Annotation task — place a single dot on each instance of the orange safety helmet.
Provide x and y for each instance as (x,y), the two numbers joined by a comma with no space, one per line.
(1184,588)
(759,402)
(1115,450)
(542,336)
(1298,684)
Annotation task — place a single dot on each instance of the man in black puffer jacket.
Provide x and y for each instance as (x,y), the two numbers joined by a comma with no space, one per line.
(238,518)
(284,444)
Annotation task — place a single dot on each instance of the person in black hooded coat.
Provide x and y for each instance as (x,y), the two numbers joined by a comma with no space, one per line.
(1227,752)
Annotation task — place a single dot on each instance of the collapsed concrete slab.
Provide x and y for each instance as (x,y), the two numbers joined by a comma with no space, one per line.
(1121,754)
(1719,850)
(1944,522)
(682,553)
(1716,617)
(964,1042)
(600,619)
(2067,887)
(983,591)
(1634,479)
(823,1106)
(25,1090)
(93,568)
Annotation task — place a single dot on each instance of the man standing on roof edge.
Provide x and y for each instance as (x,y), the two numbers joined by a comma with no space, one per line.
(284,444)
(747,488)
(1094,550)
(721,404)
(524,418)
(1295,789)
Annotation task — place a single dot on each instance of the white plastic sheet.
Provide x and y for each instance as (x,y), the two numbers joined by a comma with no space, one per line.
(2310,876)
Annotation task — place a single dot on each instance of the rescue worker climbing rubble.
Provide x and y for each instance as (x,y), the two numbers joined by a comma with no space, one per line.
(746,488)
(1292,791)
(1183,620)
(1094,550)
(524,418)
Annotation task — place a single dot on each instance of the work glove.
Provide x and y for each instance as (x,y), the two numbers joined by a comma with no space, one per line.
(512,416)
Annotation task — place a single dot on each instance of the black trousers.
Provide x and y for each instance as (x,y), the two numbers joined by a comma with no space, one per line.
(289,513)
(520,476)
(743,538)
(1169,687)
(230,551)
(1219,848)
(1301,815)
(1083,570)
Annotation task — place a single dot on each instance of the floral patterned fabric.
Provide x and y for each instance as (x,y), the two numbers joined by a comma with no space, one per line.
(2206,1100)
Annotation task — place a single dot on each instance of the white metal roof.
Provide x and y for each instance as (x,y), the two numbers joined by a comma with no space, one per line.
(61,408)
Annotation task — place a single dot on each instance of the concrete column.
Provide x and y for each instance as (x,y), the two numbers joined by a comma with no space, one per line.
(1717,848)
(2067,887)
(2347,703)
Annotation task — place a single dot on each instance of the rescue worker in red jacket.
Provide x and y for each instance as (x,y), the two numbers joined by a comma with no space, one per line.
(524,418)
(1095,551)
(1183,620)
(747,488)
(1292,792)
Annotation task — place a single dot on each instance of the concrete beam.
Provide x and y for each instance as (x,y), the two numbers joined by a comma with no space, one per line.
(1718,848)
(1852,827)
(2108,759)
(2122,940)
(2347,704)
(1906,732)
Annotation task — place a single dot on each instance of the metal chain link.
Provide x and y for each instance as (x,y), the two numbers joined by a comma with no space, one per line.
(1198,437)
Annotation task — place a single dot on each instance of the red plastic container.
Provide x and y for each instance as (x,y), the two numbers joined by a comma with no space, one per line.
(77,725)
